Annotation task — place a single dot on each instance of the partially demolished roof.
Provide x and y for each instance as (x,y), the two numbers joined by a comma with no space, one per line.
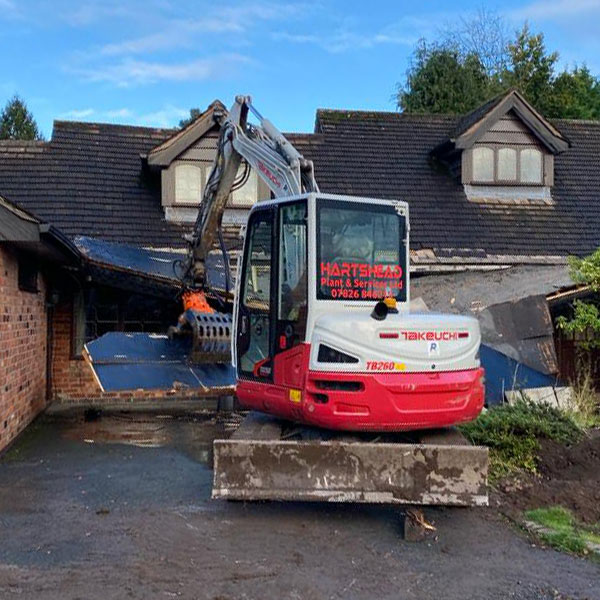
(511,305)
(91,180)
(144,269)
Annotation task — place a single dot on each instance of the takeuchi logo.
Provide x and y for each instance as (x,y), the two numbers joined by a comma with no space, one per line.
(268,173)
(429,336)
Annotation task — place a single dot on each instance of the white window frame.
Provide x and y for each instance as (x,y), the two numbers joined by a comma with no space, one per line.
(495,180)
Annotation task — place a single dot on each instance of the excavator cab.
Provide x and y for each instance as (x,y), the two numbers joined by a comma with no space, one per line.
(322,330)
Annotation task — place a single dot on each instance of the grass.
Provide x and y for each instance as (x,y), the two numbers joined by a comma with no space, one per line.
(585,399)
(512,433)
(564,533)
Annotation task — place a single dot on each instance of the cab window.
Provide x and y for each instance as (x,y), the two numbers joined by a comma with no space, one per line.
(361,253)
(292,288)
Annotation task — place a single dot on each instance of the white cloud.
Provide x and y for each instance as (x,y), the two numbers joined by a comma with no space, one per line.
(167,116)
(90,12)
(119,113)
(10,10)
(165,26)
(172,30)
(400,33)
(164,117)
(77,114)
(544,10)
(130,72)
(175,34)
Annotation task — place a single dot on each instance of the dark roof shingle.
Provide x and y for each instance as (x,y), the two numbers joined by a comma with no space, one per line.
(88,180)
(387,155)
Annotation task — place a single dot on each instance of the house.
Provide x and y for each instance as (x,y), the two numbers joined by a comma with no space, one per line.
(35,258)
(500,187)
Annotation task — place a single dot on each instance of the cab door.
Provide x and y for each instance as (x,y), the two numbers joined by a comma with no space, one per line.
(254,331)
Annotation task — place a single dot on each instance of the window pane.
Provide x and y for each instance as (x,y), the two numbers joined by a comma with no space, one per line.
(507,164)
(248,193)
(258,274)
(188,184)
(531,166)
(256,298)
(292,270)
(360,251)
(483,164)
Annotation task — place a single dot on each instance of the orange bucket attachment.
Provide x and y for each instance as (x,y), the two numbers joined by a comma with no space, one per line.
(196,300)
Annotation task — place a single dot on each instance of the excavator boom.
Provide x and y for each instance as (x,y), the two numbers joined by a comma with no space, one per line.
(261,147)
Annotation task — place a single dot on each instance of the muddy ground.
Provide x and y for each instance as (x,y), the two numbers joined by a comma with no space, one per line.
(120,508)
(568,477)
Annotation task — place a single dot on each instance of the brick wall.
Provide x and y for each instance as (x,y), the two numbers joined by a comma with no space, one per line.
(73,381)
(23,334)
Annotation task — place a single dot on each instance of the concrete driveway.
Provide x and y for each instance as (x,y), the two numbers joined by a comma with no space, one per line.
(120,508)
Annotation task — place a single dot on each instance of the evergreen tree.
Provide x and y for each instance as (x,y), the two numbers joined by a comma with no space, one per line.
(17,123)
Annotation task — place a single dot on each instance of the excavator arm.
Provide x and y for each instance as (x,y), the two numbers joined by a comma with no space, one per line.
(261,147)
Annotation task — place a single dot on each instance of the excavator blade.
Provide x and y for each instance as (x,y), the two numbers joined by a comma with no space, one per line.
(259,462)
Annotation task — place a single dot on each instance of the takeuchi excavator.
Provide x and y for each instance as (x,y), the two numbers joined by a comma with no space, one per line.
(322,330)
(352,395)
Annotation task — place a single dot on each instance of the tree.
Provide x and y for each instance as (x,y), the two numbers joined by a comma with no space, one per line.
(576,95)
(194,114)
(484,34)
(531,68)
(17,123)
(586,315)
(475,61)
(440,80)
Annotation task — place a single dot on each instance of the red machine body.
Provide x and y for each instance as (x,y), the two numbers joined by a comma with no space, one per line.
(364,401)
(324,334)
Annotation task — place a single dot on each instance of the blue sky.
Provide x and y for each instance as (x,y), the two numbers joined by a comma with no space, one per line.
(147,62)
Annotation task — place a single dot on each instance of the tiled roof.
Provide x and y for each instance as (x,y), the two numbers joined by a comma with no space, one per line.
(88,180)
(387,155)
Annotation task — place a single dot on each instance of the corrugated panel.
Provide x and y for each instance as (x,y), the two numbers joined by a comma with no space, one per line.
(131,361)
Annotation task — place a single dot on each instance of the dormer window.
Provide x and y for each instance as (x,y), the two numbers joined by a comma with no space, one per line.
(507,165)
(503,151)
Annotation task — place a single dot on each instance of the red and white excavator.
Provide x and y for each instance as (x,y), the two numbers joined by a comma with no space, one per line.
(324,342)
(322,330)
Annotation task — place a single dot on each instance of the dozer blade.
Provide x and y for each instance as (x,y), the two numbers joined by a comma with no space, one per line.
(131,361)
(256,464)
